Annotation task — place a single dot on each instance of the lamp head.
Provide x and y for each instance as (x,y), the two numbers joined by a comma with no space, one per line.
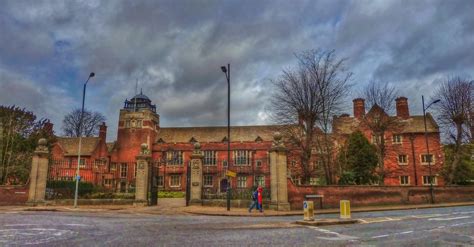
(436,101)
(92,74)
(224,69)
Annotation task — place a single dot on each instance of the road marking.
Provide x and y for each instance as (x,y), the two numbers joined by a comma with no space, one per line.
(337,236)
(453,218)
(461,224)
(381,236)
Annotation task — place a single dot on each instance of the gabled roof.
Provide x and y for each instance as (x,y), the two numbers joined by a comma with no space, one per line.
(70,145)
(217,134)
(413,124)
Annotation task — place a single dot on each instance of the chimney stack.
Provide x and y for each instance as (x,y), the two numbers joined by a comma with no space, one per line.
(359,108)
(402,107)
(103,131)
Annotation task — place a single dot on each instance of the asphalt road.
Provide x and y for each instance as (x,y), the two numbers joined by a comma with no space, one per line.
(425,227)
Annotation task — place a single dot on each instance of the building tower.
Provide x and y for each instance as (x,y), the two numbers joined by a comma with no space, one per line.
(138,123)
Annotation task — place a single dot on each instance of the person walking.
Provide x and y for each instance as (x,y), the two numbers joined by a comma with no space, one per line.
(254,201)
(260,198)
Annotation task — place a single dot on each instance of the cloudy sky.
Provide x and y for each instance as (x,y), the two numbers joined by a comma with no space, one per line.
(175,49)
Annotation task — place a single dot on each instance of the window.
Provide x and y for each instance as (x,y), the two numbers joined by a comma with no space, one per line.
(242,157)
(207,181)
(127,124)
(123,170)
(107,182)
(113,166)
(175,181)
(139,123)
(260,181)
(159,181)
(241,182)
(425,158)
(296,180)
(313,181)
(209,158)
(224,163)
(82,163)
(402,159)
(258,163)
(174,158)
(426,180)
(376,139)
(293,163)
(404,180)
(397,139)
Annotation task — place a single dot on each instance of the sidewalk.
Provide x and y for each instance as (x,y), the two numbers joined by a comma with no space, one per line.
(177,207)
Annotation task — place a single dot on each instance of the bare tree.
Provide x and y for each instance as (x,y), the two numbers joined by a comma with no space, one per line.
(304,102)
(455,114)
(381,96)
(90,123)
(380,93)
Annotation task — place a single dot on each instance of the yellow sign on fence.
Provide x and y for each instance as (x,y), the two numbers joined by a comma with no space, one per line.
(231,174)
(345,209)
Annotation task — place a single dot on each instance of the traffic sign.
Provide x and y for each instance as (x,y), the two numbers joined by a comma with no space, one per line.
(231,174)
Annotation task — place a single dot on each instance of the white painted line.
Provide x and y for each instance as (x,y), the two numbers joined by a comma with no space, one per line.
(464,223)
(337,236)
(381,236)
(453,218)
(363,221)
(403,233)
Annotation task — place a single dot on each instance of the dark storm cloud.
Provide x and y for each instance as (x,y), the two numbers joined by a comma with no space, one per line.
(174,49)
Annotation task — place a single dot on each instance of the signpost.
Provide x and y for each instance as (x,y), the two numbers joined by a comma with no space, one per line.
(230,173)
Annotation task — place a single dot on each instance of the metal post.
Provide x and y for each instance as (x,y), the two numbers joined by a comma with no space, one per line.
(80,140)
(227,75)
(428,150)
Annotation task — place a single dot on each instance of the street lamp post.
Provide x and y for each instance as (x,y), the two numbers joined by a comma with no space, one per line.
(226,71)
(427,146)
(80,139)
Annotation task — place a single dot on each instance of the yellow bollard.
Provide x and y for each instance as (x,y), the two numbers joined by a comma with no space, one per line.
(345,206)
(308,207)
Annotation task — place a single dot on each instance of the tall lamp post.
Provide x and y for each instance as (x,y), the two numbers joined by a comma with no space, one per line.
(427,146)
(226,71)
(80,139)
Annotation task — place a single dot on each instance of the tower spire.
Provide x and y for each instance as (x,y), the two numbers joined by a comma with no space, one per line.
(135,103)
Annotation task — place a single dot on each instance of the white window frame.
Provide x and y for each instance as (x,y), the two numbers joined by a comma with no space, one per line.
(174,158)
(400,162)
(123,169)
(242,157)
(433,160)
(210,158)
(160,181)
(260,180)
(208,180)
(241,181)
(397,139)
(435,180)
(258,163)
(173,179)
(402,181)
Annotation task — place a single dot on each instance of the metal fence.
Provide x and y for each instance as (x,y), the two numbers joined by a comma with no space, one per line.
(98,179)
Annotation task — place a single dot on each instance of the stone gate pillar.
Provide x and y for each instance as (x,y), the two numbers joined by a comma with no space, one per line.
(196,174)
(38,174)
(142,178)
(278,175)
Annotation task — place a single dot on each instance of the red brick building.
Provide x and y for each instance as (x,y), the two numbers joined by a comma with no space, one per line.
(113,164)
(406,156)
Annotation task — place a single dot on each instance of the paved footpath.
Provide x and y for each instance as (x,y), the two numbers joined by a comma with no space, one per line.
(176,206)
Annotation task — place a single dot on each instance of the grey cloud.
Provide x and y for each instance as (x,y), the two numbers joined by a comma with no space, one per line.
(175,48)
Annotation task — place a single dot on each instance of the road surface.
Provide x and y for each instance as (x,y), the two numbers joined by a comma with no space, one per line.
(452,226)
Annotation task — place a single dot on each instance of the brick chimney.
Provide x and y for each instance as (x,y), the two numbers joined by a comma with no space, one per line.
(48,127)
(359,108)
(402,107)
(103,131)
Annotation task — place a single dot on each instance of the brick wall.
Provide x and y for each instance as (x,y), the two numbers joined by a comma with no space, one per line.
(13,195)
(377,195)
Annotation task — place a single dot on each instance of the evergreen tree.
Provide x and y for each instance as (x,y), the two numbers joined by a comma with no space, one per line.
(359,159)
